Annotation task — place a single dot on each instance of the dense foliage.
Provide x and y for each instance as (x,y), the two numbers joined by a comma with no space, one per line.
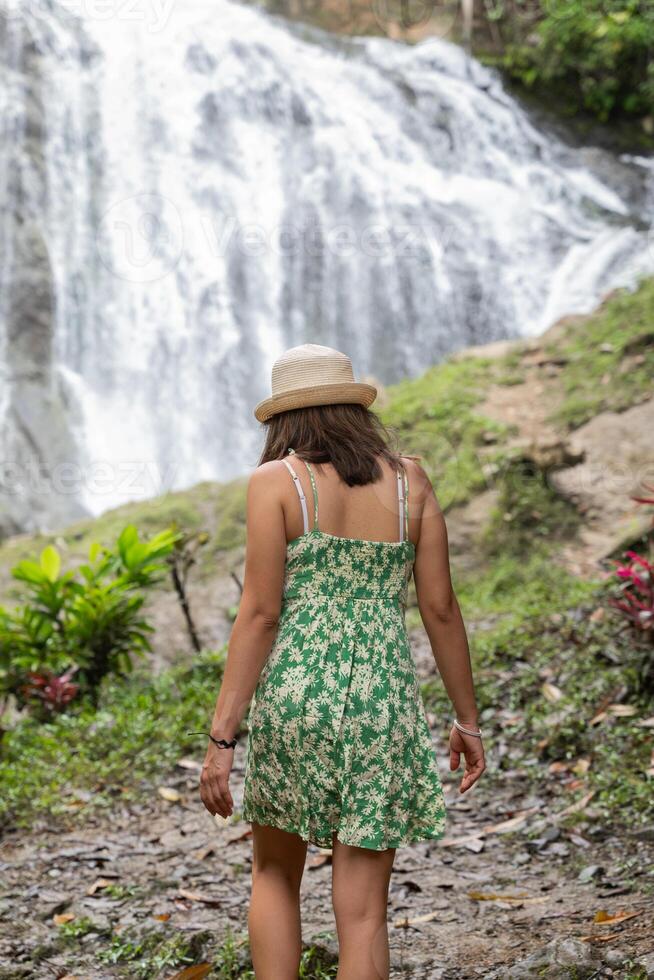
(90,759)
(594,55)
(85,623)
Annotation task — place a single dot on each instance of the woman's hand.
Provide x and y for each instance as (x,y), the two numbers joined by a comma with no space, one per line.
(214,781)
(473,751)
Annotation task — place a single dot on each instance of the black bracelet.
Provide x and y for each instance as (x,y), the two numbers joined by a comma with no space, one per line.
(220,742)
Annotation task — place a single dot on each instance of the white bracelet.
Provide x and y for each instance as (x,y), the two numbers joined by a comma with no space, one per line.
(466,730)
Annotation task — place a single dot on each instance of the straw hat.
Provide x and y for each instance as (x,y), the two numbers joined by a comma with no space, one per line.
(313,375)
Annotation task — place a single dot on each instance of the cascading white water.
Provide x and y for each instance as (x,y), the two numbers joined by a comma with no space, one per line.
(217,185)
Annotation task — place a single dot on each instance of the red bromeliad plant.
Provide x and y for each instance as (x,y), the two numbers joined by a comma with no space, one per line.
(50,691)
(637,599)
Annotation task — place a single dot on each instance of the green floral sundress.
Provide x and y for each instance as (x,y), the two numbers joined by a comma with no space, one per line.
(338,739)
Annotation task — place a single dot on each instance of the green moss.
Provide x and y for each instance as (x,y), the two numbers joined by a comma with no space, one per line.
(72,932)
(516,587)
(150,952)
(610,357)
(529,511)
(434,417)
(183,507)
(230,516)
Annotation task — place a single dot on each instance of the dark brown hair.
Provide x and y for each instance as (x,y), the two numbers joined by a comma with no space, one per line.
(350,437)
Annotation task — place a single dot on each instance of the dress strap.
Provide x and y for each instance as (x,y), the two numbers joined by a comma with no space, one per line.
(403,498)
(303,499)
(315,495)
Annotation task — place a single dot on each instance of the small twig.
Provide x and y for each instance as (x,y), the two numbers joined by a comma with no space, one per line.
(180,589)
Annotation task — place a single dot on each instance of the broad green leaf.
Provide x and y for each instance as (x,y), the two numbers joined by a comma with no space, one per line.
(129,535)
(51,562)
(29,571)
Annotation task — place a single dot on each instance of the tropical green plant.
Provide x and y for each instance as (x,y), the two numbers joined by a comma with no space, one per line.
(596,54)
(86,620)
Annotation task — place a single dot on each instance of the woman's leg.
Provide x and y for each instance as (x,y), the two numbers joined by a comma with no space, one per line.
(274,913)
(360,882)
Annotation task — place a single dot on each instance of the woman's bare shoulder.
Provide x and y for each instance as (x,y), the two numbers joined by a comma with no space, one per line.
(416,472)
(421,488)
(267,475)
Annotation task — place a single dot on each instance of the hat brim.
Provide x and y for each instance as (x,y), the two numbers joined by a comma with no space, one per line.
(345,393)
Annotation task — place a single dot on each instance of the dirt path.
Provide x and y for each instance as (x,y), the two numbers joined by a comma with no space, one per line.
(599,466)
(167,867)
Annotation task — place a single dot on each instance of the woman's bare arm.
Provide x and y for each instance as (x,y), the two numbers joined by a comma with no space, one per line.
(441,616)
(254,628)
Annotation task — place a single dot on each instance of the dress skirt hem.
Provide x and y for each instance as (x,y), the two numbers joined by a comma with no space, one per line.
(325,840)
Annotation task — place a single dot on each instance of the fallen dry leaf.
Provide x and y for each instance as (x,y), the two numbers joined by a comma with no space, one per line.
(62,918)
(496,897)
(404,923)
(212,900)
(575,807)
(603,918)
(581,766)
(623,710)
(551,692)
(169,794)
(596,938)
(163,917)
(646,723)
(74,804)
(242,836)
(319,860)
(456,841)
(196,972)
(98,884)
(205,852)
(503,827)
(189,764)
(506,825)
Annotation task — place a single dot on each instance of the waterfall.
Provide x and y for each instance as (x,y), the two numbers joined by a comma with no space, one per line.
(205,185)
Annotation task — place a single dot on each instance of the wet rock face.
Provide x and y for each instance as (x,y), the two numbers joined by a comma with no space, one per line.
(36,413)
(37,440)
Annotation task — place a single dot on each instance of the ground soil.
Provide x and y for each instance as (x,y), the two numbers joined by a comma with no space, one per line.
(512,873)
